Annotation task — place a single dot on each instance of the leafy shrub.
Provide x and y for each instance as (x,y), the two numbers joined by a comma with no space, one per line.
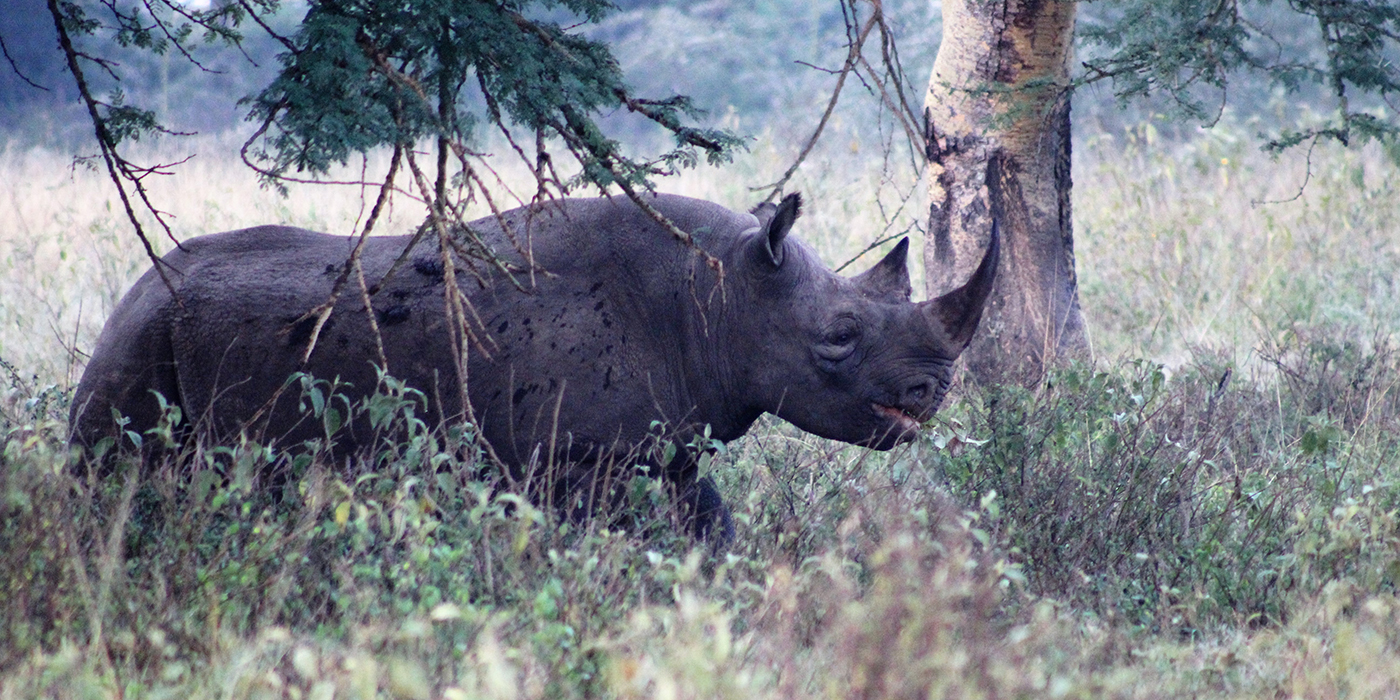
(1000,555)
(1183,502)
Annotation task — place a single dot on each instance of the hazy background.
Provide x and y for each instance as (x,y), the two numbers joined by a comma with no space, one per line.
(740,60)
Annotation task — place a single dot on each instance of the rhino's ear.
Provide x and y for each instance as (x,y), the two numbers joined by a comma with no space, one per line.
(774,226)
(889,278)
(958,312)
(764,213)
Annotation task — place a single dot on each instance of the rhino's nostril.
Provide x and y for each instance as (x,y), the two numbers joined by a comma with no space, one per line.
(918,392)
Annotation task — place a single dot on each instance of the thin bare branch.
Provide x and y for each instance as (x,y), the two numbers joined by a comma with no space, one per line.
(109,150)
(258,19)
(1307,176)
(15,67)
(322,312)
(851,58)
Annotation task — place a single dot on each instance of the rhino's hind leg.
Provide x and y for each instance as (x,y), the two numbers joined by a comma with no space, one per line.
(122,379)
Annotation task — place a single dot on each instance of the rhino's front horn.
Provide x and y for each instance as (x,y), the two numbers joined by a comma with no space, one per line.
(958,312)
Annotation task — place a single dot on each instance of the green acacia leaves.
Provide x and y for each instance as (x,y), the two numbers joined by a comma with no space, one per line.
(1167,47)
(1189,50)
(362,74)
(330,102)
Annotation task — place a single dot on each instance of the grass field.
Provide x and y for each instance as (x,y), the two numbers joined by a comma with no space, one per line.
(1208,510)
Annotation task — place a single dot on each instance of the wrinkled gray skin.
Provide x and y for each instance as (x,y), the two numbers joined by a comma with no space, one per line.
(611,336)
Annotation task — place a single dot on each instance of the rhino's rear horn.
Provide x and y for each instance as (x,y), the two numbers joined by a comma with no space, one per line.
(889,278)
(776,228)
(958,312)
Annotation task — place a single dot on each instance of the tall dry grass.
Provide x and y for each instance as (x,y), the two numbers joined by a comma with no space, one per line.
(68,252)
(1210,243)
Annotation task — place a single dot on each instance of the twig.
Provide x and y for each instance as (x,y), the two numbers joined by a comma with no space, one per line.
(851,57)
(15,67)
(1307,175)
(256,18)
(869,248)
(322,313)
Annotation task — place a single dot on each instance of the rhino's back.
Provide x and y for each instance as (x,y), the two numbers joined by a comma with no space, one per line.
(579,239)
(595,338)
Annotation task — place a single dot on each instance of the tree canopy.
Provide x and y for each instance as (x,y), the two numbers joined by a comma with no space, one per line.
(1191,50)
(357,75)
(360,74)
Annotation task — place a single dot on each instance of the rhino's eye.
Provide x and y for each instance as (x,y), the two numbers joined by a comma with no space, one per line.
(841,337)
(839,341)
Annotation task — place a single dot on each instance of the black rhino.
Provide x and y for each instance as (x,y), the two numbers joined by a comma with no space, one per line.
(621,327)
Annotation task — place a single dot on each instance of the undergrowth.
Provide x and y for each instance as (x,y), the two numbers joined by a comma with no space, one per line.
(1032,543)
(1185,503)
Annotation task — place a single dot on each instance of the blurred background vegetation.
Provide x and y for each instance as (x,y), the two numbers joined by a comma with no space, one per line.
(766,64)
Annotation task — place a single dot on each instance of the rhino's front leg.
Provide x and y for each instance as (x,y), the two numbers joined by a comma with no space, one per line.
(710,520)
(702,510)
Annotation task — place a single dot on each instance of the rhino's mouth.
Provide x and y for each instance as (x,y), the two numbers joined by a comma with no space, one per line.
(903,420)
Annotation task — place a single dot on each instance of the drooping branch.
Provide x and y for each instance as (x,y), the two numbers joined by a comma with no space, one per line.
(15,67)
(119,169)
(322,313)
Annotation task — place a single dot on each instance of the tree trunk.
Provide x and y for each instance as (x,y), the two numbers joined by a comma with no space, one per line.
(998,139)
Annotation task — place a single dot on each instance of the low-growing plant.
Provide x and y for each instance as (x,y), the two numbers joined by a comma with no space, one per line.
(217,540)
(1001,555)
(1180,502)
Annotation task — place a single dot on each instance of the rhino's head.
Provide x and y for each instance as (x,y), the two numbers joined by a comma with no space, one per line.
(852,359)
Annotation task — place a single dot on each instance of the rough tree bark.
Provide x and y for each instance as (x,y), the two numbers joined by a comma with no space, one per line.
(998,139)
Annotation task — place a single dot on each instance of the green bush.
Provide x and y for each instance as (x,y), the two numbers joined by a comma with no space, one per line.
(1181,503)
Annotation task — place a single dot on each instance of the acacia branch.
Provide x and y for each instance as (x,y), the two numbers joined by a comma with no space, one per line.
(572,132)
(322,313)
(116,165)
(455,302)
(291,47)
(175,41)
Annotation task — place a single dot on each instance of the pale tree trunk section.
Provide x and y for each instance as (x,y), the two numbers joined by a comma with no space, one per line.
(998,130)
